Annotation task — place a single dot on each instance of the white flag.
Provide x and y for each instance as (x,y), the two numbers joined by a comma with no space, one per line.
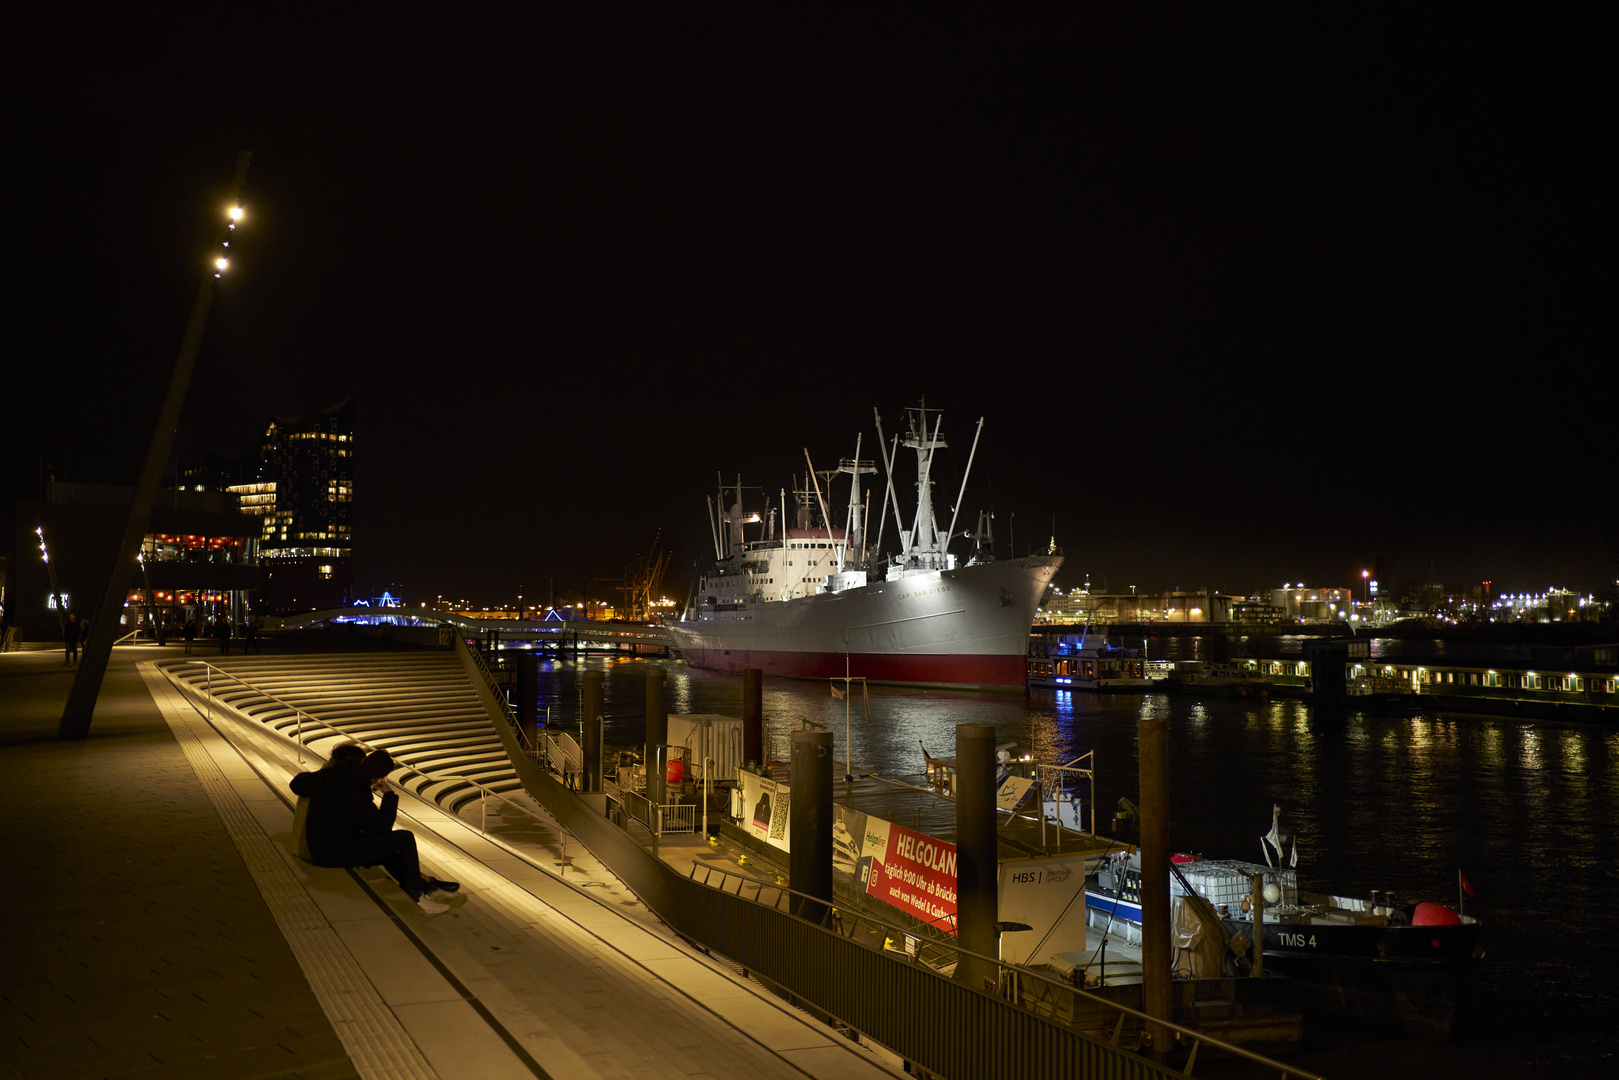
(1275,834)
(1293,863)
(836,692)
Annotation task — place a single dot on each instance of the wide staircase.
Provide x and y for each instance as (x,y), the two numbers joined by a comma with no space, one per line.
(420,707)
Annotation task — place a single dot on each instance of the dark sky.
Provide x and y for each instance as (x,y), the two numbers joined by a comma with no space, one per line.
(1242,300)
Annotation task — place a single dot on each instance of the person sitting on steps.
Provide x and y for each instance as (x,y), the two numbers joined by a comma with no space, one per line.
(345,828)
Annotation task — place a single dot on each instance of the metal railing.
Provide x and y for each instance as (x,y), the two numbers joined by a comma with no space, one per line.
(661,819)
(298,711)
(1035,992)
(485,791)
(494,685)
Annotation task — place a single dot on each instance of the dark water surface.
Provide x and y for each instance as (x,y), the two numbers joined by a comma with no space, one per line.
(1528,810)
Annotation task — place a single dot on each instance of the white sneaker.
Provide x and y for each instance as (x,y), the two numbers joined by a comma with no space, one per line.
(431,904)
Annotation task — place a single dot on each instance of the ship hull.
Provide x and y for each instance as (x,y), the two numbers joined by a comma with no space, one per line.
(961,628)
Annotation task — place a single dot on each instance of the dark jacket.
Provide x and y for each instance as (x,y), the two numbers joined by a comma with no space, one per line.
(343,821)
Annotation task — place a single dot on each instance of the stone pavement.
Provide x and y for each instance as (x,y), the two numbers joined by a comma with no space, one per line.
(136,941)
(164,929)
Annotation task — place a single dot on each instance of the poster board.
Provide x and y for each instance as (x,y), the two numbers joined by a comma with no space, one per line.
(765,809)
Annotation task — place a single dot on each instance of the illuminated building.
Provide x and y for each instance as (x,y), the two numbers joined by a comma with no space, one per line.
(300,485)
(198,561)
(1179,606)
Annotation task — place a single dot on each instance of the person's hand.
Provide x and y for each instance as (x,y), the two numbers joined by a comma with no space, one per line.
(381,786)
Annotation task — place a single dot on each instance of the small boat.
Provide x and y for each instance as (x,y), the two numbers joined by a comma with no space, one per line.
(1085,662)
(1370,959)
(1216,677)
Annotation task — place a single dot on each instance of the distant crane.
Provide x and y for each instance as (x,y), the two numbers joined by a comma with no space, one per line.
(643,581)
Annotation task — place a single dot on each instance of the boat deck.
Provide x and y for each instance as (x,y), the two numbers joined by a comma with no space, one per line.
(913,802)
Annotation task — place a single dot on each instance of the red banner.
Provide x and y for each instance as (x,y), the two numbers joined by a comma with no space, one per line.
(916,873)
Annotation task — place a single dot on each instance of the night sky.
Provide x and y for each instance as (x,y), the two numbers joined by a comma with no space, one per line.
(1242,299)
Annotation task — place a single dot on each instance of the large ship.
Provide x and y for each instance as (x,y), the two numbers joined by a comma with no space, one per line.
(814,599)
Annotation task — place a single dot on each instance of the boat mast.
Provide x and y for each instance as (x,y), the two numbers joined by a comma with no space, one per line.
(888,492)
(962,493)
(826,519)
(853,527)
(925,531)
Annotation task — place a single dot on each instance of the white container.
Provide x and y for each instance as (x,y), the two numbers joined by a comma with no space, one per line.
(706,735)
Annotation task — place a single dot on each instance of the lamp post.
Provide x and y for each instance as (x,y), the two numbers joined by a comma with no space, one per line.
(81,700)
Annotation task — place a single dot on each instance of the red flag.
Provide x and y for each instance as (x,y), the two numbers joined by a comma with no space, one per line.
(1467,886)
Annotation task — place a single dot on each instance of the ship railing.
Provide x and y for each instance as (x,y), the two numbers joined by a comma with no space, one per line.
(1039,993)
(1054,781)
(660,819)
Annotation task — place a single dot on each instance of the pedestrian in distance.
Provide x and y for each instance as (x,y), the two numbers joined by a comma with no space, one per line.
(345,828)
(222,632)
(250,637)
(70,640)
(189,632)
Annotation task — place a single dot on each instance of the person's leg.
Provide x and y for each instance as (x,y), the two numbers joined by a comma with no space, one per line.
(402,862)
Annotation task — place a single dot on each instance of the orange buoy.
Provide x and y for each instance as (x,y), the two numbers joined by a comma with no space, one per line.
(676,771)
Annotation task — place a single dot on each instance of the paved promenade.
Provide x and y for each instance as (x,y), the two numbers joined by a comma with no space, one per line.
(157,925)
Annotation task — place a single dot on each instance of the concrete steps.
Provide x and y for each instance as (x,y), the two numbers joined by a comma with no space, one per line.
(420,707)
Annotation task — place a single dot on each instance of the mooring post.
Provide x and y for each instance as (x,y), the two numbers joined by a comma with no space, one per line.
(977,862)
(657,738)
(1155,954)
(591,744)
(528,697)
(753,725)
(1257,905)
(809,822)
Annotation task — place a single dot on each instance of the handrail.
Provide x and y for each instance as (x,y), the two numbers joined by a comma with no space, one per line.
(301,712)
(298,711)
(1008,976)
(483,809)
(494,685)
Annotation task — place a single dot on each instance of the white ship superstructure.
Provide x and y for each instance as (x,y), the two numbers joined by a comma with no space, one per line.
(809,599)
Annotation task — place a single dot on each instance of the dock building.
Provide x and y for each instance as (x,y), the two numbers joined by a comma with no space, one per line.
(1082,605)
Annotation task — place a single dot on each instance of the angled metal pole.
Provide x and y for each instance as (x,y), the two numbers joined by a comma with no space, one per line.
(81,699)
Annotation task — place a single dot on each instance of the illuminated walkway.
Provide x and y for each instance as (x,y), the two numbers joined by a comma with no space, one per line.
(165,930)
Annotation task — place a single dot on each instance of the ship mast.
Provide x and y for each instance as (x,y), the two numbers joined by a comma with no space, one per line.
(854,530)
(925,530)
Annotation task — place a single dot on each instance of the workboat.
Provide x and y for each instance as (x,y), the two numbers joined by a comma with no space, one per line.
(1216,677)
(1370,959)
(815,599)
(1086,661)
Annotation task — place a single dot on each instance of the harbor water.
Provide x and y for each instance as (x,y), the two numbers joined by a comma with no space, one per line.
(1528,811)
